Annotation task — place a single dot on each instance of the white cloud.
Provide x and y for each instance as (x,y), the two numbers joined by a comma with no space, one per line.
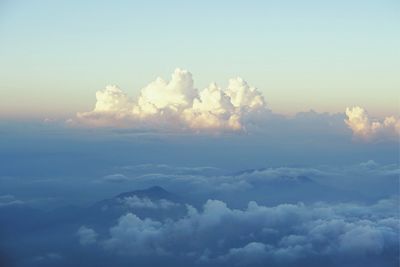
(112,99)
(174,95)
(244,96)
(213,109)
(115,178)
(249,255)
(362,126)
(135,235)
(146,203)
(277,183)
(86,235)
(370,164)
(283,233)
(177,104)
(363,239)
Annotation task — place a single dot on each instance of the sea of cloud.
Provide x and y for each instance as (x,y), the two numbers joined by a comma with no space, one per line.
(286,234)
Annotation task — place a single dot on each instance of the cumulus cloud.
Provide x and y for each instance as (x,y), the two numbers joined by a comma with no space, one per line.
(86,235)
(283,233)
(112,99)
(177,103)
(134,234)
(362,126)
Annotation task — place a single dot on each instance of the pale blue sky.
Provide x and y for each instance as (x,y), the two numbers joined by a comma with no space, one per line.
(324,55)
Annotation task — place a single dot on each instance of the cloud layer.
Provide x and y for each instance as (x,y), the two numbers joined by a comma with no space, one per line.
(177,104)
(281,235)
(211,217)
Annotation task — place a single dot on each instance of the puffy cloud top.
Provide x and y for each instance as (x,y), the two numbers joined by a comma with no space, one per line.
(112,99)
(176,94)
(359,122)
(178,103)
(282,234)
(242,95)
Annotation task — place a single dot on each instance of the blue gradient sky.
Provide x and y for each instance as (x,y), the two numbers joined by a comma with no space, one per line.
(323,55)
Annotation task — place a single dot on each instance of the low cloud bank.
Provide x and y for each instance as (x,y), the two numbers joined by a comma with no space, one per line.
(282,234)
(270,185)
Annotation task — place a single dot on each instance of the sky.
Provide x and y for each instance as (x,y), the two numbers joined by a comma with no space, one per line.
(207,133)
(324,56)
